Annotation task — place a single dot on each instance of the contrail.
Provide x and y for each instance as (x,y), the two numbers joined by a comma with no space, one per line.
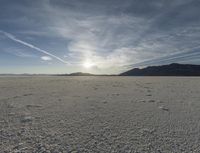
(12,37)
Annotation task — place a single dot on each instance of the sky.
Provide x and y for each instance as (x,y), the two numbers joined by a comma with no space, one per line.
(97,36)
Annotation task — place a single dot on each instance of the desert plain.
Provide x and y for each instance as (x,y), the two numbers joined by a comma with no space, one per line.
(97,114)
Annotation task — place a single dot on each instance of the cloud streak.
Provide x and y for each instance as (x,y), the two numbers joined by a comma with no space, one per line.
(12,37)
(185,55)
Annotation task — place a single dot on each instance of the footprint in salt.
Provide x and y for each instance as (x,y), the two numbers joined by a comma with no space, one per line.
(164,108)
(151,101)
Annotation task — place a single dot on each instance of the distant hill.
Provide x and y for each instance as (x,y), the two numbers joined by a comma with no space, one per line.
(80,74)
(173,69)
(84,74)
(76,74)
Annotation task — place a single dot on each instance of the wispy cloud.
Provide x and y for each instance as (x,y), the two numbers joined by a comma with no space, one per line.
(185,55)
(12,37)
(46,58)
(18,52)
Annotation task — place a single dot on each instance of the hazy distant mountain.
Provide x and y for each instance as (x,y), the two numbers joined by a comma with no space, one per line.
(77,74)
(80,74)
(173,69)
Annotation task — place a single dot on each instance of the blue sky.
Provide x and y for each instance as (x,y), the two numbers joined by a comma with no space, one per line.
(97,36)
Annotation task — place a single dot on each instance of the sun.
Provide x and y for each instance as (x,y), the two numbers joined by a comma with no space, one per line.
(88,64)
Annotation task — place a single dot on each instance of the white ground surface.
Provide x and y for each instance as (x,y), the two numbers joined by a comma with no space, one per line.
(100,114)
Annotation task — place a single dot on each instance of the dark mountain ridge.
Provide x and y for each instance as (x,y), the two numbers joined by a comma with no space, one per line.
(173,69)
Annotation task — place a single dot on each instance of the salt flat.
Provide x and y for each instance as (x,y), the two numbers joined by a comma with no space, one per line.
(100,114)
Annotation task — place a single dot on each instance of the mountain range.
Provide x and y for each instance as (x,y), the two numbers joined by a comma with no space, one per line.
(173,69)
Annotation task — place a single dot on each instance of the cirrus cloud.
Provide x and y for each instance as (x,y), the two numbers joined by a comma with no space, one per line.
(46,58)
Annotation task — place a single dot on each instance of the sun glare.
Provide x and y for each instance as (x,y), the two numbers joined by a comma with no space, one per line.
(88,64)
